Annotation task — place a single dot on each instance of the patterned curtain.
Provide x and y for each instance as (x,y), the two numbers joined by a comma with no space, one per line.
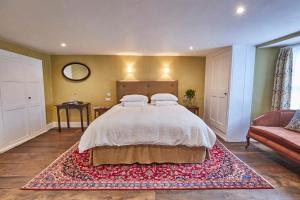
(283,79)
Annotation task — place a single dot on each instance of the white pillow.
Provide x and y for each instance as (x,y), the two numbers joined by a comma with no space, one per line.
(133,103)
(164,97)
(164,103)
(134,97)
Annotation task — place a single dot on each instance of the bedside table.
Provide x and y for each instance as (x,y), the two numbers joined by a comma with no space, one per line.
(72,105)
(99,110)
(193,109)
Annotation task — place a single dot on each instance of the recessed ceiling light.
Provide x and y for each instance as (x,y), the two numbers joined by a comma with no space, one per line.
(191,47)
(63,45)
(240,10)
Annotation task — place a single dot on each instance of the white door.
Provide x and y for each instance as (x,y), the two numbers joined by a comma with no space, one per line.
(218,73)
(35,97)
(13,99)
(21,98)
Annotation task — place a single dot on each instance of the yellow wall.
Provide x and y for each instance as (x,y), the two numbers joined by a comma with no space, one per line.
(46,70)
(265,63)
(106,70)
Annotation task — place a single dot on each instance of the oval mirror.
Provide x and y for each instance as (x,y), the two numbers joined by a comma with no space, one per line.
(76,71)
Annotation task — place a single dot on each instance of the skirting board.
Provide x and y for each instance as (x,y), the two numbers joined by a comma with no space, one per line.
(64,125)
(24,139)
(219,133)
(223,136)
(47,128)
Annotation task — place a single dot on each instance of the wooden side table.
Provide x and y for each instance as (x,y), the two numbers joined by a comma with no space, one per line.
(67,107)
(193,109)
(100,110)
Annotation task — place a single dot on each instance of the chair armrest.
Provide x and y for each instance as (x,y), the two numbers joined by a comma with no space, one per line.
(268,119)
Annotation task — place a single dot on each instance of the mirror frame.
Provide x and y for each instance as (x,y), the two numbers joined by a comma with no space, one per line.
(72,63)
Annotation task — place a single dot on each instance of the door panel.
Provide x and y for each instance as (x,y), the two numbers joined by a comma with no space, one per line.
(15,125)
(34,71)
(11,70)
(218,84)
(13,95)
(222,113)
(34,93)
(35,117)
(213,109)
(14,108)
(35,107)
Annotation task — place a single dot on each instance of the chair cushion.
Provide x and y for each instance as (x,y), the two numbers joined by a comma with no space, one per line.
(289,139)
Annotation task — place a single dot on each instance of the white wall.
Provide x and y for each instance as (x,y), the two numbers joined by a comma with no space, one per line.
(241,86)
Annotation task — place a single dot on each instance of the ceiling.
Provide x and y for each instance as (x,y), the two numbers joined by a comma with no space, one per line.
(144,27)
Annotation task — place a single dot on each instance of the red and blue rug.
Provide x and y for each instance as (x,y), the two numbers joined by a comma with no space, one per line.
(72,171)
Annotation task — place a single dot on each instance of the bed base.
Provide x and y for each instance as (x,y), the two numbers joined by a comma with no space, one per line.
(146,154)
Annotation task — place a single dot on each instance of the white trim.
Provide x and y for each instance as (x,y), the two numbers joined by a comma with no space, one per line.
(219,133)
(47,128)
(50,126)
(18,142)
(64,124)
(25,139)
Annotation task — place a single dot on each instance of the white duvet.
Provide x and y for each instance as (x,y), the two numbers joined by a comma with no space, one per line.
(153,125)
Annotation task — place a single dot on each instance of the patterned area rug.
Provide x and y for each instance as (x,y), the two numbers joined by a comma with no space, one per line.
(71,171)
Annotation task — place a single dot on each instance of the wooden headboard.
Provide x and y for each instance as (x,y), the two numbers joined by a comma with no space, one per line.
(147,88)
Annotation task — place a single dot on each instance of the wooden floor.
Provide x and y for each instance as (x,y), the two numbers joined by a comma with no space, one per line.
(22,163)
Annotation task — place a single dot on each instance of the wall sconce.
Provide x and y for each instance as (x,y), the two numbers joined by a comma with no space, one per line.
(166,71)
(129,68)
(129,75)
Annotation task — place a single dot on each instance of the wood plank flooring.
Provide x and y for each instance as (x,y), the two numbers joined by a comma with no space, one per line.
(22,163)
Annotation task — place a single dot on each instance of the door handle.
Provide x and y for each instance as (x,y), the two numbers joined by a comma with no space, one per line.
(29,97)
(225,93)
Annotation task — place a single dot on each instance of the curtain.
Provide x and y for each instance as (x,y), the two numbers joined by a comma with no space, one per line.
(283,79)
(295,96)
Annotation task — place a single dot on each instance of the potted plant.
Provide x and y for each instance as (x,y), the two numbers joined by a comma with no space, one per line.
(189,97)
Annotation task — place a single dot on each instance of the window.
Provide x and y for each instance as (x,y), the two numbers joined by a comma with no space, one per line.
(295,96)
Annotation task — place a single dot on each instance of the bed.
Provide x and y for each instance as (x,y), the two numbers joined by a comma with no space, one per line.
(149,134)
